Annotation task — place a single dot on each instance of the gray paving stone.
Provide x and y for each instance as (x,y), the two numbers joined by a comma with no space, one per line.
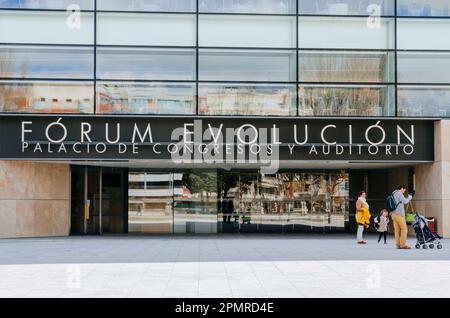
(219,266)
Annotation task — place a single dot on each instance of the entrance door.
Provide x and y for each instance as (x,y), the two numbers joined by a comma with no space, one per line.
(97,203)
(85,200)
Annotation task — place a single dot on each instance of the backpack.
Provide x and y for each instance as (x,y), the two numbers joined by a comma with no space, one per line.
(390,203)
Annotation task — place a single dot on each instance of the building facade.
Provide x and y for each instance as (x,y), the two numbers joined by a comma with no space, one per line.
(219,116)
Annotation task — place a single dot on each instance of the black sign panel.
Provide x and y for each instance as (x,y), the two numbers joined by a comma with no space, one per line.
(214,139)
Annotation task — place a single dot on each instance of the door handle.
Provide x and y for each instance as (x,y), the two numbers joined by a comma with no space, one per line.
(87,206)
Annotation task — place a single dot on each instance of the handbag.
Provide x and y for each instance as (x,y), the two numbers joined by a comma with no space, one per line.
(409,215)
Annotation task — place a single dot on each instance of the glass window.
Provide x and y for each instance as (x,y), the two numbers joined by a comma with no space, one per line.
(45,4)
(423,34)
(195,203)
(420,101)
(146,64)
(348,66)
(46,62)
(346,100)
(146,29)
(423,8)
(242,99)
(41,97)
(150,202)
(347,33)
(347,7)
(423,67)
(145,98)
(283,202)
(45,27)
(248,6)
(147,5)
(247,65)
(247,31)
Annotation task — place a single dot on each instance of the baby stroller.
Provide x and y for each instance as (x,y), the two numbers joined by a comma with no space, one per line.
(424,235)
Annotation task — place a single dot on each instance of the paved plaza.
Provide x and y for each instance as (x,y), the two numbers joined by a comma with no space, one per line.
(220,266)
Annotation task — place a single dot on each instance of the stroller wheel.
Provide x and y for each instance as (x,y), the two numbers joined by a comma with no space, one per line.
(439,246)
(425,246)
(417,245)
(431,246)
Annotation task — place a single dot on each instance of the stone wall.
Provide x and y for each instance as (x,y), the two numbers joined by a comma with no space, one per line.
(34,199)
(433,181)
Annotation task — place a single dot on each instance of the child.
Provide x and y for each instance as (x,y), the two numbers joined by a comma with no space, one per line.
(382,224)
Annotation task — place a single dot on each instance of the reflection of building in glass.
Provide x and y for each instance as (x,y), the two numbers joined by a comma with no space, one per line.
(286,202)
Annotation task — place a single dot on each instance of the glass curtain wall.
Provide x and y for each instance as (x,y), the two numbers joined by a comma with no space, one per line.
(423,57)
(227,57)
(346,58)
(151,74)
(46,58)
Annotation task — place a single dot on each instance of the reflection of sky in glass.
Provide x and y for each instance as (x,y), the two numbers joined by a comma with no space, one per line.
(51,63)
(423,8)
(46,4)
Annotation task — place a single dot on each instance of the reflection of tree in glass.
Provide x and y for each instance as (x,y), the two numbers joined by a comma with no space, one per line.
(228,181)
(201,182)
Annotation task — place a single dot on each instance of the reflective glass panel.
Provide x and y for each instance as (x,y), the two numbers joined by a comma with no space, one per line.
(423,67)
(195,203)
(146,64)
(423,8)
(248,6)
(346,100)
(45,27)
(423,34)
(242,99)
(46,4)
(46,62)
(347,7)
(425,101)
(283,202)
(150,198)
(146,29)
(250,205)
(247,65)
(353,66)
(145,98)
(41,97)
(247,31)
(348,33)
(147,5)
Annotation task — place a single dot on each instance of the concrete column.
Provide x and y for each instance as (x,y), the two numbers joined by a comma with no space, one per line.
(34,199)
(433,181)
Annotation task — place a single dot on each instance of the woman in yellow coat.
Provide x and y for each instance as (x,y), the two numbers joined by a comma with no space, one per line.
(362,216)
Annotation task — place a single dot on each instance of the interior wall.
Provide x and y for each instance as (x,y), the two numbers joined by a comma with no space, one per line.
(34,199)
